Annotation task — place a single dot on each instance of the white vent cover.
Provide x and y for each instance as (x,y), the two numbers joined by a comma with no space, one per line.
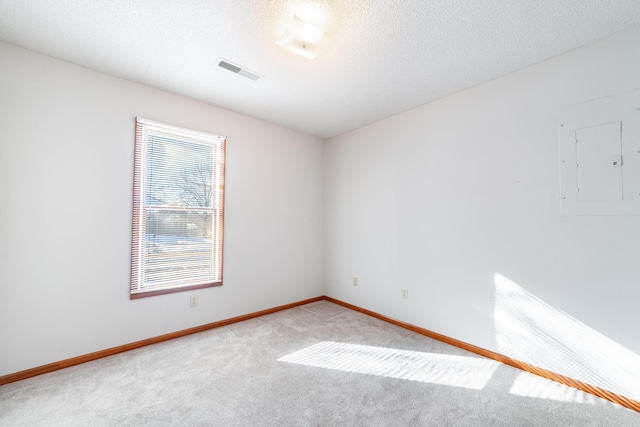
(238,69)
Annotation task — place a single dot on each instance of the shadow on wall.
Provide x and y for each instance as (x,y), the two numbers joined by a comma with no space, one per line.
(529,330)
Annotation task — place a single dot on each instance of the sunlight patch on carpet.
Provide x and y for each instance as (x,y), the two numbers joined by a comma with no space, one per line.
(460,371)
(529,385)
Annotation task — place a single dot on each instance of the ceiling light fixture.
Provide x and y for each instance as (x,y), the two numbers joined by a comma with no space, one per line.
(302,38)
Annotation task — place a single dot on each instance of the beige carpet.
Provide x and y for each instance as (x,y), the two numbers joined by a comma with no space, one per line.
(315,365)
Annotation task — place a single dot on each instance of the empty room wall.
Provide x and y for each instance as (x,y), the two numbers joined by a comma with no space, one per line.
(66,171)
(458,202)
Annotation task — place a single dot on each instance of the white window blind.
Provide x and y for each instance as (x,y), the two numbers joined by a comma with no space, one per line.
(178,202)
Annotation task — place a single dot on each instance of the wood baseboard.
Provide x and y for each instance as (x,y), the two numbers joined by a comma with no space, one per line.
(39,370)
(596,391)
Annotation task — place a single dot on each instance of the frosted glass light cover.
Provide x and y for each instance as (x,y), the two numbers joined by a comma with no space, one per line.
(302,38)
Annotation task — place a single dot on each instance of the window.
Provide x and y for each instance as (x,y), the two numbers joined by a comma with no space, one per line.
(178,196)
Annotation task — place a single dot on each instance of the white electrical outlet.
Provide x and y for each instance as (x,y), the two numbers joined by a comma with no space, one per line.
(193,301)
(355,281)
(404,293)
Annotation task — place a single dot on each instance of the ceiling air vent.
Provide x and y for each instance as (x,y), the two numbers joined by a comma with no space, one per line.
(235,68)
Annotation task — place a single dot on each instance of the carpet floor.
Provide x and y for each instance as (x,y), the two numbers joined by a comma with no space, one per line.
(315,365)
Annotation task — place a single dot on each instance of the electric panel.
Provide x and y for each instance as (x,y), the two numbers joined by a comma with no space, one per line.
(599,163)
(599,147)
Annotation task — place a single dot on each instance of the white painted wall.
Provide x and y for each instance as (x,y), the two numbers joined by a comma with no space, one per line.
(442,198)
(66,167)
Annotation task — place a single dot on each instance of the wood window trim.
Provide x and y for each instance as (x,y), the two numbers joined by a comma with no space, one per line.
(138,235)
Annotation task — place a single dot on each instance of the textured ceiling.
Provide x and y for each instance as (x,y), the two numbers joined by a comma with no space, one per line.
(383,56)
